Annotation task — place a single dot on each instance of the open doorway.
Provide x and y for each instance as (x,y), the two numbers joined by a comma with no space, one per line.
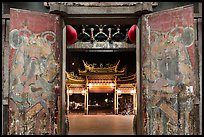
(101,103)
(125,104)
(101,62)
(101,47)
(76,104)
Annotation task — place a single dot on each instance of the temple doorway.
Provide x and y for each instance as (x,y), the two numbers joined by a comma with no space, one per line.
(76,104)
(101,78)
(101,103)
(125,105)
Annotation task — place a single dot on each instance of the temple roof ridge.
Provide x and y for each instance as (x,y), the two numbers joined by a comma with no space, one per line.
(93,68)
(73,78)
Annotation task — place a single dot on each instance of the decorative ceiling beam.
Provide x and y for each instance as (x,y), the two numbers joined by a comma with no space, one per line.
(101,4)
(101,45)
(98,8)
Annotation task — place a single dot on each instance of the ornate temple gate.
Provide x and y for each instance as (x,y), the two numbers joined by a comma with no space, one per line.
(95,84)
(35,75)
(101,80)
(101,84)
(167,101)
(168,72)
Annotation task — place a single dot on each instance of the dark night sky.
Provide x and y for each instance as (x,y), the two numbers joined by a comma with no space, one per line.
(127,58)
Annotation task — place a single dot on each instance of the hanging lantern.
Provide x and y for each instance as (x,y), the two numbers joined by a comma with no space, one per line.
(132,34)
(71,35)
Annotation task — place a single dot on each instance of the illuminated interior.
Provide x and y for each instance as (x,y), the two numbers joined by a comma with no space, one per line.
(105,75)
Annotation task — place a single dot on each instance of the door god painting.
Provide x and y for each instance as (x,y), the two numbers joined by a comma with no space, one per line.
(34,71)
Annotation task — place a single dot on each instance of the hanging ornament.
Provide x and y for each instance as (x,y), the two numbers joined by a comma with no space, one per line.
(132,34)
(71,35)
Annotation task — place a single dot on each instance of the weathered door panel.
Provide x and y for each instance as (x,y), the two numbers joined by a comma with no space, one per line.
(168,71)
(34,63)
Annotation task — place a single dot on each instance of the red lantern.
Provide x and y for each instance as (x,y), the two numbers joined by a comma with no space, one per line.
(71,34)
(132,34)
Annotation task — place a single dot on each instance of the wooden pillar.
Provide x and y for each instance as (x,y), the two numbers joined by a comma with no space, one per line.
(116,102)
(87,101)
(139,116)
(63,81)
(115,92)
(134,103)
(115,97)
(67,101)
(86,97)
(133,107)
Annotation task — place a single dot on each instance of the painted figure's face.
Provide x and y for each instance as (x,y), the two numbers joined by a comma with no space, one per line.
(34,67)
(40,54)
(168,60)
(165,58)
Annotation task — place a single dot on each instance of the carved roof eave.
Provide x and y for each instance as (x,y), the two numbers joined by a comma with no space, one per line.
(84,73)
(91,68)
(75,85)
(70,79)
(73,81)
(70,8)
(126,85)
(129,76)
(76,80)
(127,79)
(130,80)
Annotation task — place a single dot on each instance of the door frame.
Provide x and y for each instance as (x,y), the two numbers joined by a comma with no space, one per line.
(93,18)
(6,16)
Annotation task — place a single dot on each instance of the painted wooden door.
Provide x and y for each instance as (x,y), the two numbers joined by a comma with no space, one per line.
(168,71)
(34,63)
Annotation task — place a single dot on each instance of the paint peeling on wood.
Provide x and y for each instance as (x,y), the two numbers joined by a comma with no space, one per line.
(168,70)
(34,68)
